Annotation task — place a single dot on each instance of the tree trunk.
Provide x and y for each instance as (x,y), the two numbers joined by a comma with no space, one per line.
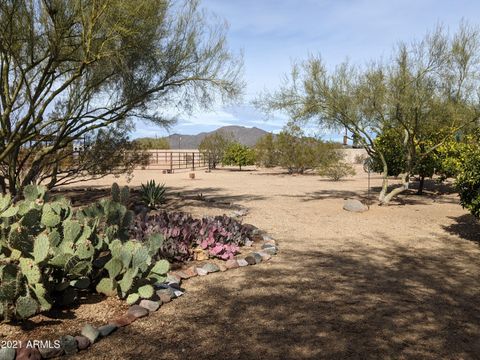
(3,185)
(383,192)
(405,184)
(421,185)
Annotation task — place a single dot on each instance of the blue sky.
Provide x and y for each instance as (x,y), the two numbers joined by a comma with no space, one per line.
(272,33)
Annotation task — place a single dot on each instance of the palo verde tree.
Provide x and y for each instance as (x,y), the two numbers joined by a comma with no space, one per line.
(213,147)
(71,70)
(429,85)
(266,152)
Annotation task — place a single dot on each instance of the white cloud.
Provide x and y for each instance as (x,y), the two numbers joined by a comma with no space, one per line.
(273,32)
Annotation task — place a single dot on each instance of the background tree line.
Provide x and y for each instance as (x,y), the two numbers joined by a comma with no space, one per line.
(408,106)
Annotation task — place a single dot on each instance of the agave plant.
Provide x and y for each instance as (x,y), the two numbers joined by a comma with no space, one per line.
(153,194)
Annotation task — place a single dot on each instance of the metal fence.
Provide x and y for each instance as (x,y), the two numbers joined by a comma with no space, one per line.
(176,160)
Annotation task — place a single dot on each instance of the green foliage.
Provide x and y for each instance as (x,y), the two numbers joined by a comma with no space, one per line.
(445,160)
(213,147)
(426,88)
(293,150)
(60,253)
(128,60)
(153,194)
(239,155)
(468,181)
(337,170)
(152,143)
(266,151)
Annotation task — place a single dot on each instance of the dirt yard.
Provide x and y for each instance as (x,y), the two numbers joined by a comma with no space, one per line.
(397,282)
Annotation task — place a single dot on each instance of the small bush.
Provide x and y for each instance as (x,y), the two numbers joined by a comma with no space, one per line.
(293,150)
(221,236)
(337,170)
(468,182)
(239,155)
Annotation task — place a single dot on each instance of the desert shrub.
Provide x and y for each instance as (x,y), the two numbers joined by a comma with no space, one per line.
(337,170)
(213,147)
(294,151)
(152,194)
(468,184)
(49,253)
(266,153)
(220,236)
(239,155)
(359,159)
(468,180)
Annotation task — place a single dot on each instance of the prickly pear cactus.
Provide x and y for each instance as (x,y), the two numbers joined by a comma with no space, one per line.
(131,271)
(48,253)
(41,246)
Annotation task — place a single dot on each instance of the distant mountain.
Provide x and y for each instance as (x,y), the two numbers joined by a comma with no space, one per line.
(244,135)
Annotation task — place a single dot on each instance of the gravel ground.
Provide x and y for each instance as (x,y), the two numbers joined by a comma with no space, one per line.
(396,282)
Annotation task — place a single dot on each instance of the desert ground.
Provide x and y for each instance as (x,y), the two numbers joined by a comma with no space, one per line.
(396,282)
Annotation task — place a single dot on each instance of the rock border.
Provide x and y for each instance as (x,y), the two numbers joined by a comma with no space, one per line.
(166,292)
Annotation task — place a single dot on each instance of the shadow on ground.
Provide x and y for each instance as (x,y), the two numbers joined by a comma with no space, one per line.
(357,303)
(466,227)
(207,197)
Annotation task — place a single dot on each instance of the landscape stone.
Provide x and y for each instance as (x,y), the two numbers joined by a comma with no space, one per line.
(201,271)
(24,353)
(272,250)
(222,267)
(210,267)
(165,294)
(173,278)
(178,293)
(174,286)
(106,330)
(258,258)
(354,206)
(265,256)
(182,274)
(239,213)
(267,238)
(250,259)
(249,243)
(82,342)
(190,272)
(49,352)
(123,320)
(268,245)
(231,264)
(256,231)
(7,353)
(242,262)
(150,305)
(90,333)
(69,344)
(137,311)
(164,298)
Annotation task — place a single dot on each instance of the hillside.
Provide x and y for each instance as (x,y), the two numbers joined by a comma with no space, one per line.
(244,135)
